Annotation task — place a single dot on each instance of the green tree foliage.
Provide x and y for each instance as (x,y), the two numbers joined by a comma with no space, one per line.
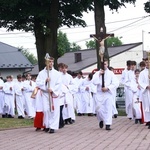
(147,7)
(75,47)
(90,44)
(113,41)
(43,18)
(63,43)
(29,55)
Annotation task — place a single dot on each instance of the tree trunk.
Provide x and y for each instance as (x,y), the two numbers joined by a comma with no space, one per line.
(51,40)
(46,41)
(99,23)
(39,38)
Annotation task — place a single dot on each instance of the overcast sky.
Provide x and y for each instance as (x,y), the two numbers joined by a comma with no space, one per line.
(130,24)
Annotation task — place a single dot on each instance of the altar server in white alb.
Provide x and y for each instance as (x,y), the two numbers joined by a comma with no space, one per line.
(19,97)
(29,86)
(114,109)
(68,82)
(144,82)
(136,99)
(77,96)
(104,95)
(86,89)
(124,75)
(9,98)
(49,81)
(130,90)
(2,98)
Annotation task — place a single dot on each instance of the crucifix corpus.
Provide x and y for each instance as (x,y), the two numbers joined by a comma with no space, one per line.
(100,38)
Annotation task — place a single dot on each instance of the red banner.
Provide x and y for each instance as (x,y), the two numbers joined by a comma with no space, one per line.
(118,70)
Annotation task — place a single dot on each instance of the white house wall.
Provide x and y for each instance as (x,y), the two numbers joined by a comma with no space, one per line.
(119,61)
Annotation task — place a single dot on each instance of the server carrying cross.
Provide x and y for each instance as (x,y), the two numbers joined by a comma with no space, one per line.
(100,38)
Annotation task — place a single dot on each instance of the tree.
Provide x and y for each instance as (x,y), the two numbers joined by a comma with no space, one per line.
(113,41)
(100,18)
(147,7)
(29,55)
(90,44)
(75,47)
(63,43)
(43,18)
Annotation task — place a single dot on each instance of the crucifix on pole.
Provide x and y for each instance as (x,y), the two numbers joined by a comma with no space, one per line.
(100,38)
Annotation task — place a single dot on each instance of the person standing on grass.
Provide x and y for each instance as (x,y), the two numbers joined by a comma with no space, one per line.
(29,86)
(9,97)
(19,97)
(2,98)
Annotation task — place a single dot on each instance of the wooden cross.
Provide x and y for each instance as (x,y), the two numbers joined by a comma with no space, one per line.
(100,38)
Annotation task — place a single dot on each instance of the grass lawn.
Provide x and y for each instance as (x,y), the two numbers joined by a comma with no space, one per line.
(7,123)
(121,112)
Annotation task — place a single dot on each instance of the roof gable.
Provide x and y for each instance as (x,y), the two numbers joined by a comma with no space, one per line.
(11,57)
(89,57)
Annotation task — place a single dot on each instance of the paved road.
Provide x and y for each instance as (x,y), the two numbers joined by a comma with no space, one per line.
(84,134)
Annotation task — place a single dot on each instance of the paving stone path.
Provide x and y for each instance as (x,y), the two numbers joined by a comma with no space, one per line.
(84,134)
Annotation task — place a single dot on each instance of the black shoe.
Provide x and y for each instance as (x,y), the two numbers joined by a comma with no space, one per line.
(46,129)
(108,127)
(20,117)
(70,121)
(37,129)
(10,116)
(90,114)
(43,129)
(4,116)
(79,114)
(140,121)
(66,121)
(147,123)
(130,118)
(73,121)
(115,115)
(101,124)
(52,131)
(136,121)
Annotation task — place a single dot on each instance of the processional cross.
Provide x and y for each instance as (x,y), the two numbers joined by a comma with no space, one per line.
(100,38)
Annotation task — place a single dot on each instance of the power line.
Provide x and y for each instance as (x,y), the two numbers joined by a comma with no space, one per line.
(108,22)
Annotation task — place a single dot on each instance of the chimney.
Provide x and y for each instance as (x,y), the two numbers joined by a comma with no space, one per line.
(78,57)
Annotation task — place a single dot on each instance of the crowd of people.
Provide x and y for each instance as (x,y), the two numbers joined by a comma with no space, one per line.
(55,97)
(137,87)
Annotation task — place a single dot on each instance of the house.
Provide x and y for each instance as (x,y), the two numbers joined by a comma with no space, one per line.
(12,61)
(86,60)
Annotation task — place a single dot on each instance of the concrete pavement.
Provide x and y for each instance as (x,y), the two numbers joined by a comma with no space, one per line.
(84,134)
